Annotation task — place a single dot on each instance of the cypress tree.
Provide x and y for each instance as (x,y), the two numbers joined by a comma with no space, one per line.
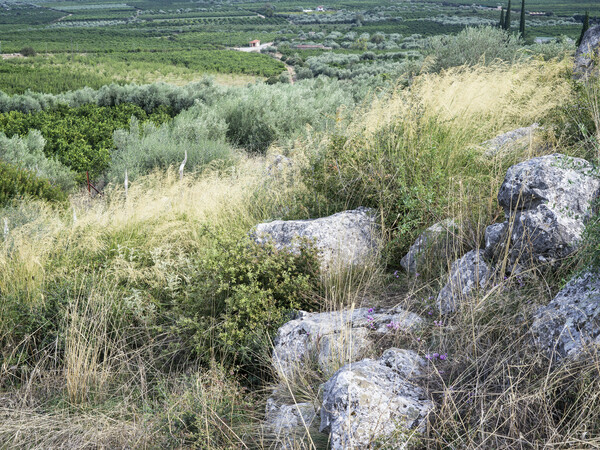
(522,23)
(502,18)
(507,18)
(586,25)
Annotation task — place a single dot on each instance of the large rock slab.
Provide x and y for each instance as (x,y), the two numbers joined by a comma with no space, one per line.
(467,275)
(587,51)
(510,141)
(375,401)
(571,321)
(546,201)
(344,239)
(436,243)
(333,337)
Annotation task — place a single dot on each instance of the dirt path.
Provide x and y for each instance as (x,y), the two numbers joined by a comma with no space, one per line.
(290,69)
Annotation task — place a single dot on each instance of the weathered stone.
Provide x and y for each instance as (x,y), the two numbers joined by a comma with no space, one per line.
(278,165)
(344,239)
(546,201)
(334,337)
(283,418)
(495,239)
(588,50)
(509,141)
(375,401)
(288,425)
(435,243)
(571,321)
(467,275)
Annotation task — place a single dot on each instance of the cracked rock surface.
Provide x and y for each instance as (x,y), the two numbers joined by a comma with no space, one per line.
(571,321)
(344,239)
(375,401)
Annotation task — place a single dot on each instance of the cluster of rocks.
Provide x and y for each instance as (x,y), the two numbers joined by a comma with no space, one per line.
(366,399)
(546,202)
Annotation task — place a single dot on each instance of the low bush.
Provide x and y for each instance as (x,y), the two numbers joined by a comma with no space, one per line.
(27,152)
(16,182)
(482,45)
(199,132)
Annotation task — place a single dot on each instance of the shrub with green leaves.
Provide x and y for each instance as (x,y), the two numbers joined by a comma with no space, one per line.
(16,182)
(27,152)
(144,148)
(243,294)
(80,138)
(474,46)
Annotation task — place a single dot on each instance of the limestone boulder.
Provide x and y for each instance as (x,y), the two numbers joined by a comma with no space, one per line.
(571,321)
(436,243)
(467,275)
(375,402)
(344,239)
(326,339)
(495,240)
(546,201)
(588,50)
(510,141)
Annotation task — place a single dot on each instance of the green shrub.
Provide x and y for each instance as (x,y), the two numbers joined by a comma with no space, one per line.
(243,293)
(80,138)
(28,51)
(474,46)
(198,131)
(27,152)
(16,182)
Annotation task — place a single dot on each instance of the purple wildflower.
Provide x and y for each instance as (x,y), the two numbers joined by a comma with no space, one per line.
(444,356)
(371,310)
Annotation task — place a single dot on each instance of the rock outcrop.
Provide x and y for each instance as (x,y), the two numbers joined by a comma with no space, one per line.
(571,321)
(587,51)
(330,338)
(467,275)
(435,243)
(375,401)
(509,141)
(344,239)
(546,201)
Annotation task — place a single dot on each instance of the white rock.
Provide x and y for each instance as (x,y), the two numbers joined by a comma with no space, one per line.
(344,239)
(334,337)
(375,401)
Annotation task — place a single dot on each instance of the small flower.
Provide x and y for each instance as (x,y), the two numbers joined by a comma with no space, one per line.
(396,274)
(444,356)
(430,312)
(417,274)
(370,318)
(371,310)
(436,355)
(428,356)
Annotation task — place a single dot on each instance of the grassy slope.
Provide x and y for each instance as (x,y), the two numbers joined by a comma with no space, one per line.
(101,379)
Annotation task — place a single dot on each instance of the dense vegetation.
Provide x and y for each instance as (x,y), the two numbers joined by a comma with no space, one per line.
(145,316)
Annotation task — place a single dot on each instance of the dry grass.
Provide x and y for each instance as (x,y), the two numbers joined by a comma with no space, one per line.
(99,384)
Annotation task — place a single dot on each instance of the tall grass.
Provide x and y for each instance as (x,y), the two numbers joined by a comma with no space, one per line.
(125,327)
